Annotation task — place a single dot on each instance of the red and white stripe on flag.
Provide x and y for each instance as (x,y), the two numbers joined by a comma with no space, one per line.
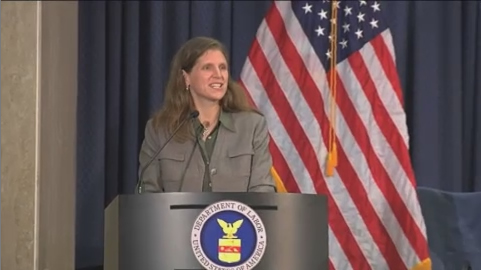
(375,221)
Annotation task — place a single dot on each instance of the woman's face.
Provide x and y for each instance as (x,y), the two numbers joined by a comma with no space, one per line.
(209,77)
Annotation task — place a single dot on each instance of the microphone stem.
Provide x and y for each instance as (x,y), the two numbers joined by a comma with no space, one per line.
(140,182)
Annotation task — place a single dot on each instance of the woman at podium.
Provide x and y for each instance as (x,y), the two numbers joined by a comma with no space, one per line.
(206,137)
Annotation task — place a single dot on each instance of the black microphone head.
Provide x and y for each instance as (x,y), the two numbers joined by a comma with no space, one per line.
(194,114)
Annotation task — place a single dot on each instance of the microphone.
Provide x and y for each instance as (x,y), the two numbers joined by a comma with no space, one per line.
(140,183)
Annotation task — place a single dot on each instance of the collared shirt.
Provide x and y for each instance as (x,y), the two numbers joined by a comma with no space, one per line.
(207,146)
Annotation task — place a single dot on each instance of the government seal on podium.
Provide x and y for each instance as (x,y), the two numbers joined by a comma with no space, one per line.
(228,235)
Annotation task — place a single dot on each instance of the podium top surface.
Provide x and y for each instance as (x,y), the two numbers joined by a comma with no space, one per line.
(203,198)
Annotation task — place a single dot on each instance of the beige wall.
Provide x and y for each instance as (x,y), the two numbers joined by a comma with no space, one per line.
(38,134)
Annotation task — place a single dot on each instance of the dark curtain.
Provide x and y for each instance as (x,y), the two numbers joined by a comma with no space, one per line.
(125,50)
(438,46)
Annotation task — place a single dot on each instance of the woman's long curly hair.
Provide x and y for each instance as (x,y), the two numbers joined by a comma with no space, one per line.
(178,103)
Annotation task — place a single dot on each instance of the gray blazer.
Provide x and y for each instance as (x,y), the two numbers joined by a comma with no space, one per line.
(240,161)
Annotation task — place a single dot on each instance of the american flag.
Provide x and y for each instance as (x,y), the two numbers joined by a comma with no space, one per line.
(343,101)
